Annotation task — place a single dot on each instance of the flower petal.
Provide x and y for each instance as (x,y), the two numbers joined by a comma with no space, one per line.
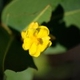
(33,49)
(38,51)
(46,38)
(42,31)
(31,29)
(27,43)
(33,25)
(50,43)
(23,34)
(37,54)
(46,43)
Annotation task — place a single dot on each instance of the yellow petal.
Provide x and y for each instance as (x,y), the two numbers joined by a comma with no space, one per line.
(50,43)
(27,31)
(38,51)
(23,34)
(42,31)
(31,29)
(46,43)
(33,49)
(33,25)
(27,43)
(46,38)
(37,54)
(30,32)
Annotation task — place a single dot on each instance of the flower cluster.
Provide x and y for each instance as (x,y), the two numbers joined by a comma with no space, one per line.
(35,39)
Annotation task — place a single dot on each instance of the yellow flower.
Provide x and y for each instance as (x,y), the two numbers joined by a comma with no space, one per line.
(35,39)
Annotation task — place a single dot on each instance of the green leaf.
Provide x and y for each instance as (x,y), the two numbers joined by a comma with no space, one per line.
(72,12)
(18,16)
(23,75)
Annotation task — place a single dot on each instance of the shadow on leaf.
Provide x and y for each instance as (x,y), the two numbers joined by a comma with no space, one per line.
(17,59)
(69,37)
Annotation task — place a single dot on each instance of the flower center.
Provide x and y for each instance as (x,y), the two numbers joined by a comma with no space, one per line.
(37,40)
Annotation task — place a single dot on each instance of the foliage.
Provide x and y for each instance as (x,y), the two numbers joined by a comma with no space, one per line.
(60,16)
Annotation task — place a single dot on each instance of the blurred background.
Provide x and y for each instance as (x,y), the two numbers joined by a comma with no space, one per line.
(59,62)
